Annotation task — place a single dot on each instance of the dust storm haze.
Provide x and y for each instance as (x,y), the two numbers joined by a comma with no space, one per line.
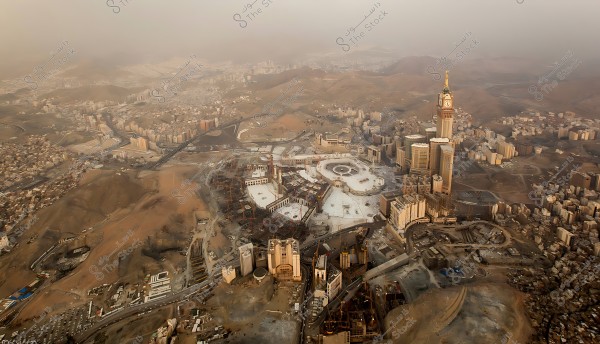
(136,31)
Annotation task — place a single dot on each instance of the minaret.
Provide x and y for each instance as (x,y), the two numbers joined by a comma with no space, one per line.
(445,112)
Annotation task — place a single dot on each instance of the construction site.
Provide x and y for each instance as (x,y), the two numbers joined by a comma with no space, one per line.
(356,319)
(290,197)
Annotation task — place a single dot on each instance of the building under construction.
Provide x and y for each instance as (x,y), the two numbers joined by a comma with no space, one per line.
(354,260)
(228,186)
(357,317)
(287,189)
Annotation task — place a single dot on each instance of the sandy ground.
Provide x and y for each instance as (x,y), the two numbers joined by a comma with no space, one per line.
(490,313)
(513,183)
(259,312)
(121,208)
(286,126)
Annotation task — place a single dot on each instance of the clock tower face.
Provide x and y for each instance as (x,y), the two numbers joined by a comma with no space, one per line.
(445,97)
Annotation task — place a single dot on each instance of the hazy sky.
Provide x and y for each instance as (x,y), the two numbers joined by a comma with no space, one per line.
(149,30)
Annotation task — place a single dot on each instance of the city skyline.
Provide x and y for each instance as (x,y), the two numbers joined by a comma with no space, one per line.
(299,172)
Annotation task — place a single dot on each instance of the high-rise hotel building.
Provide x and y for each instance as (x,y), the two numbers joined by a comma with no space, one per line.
(444,153)
(446,167)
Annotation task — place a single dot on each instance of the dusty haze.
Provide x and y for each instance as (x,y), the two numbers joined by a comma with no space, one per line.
(286,31)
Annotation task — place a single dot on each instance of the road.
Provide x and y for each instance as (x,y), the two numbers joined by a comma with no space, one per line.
(108,119)
(182,146)
(278,142)
(326,237)
(185,293)
(308,282)
(137,309)
(176,297)
(27,184)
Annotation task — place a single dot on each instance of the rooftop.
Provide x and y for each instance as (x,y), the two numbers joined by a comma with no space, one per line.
(415,137)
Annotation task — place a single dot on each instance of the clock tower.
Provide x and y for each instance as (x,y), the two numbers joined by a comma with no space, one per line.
(445,112)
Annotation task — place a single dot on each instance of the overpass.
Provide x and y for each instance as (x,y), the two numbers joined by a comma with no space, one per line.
(371,225)
(402,259)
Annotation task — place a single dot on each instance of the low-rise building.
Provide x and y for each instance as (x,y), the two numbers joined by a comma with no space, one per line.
(228,273)
(4,242)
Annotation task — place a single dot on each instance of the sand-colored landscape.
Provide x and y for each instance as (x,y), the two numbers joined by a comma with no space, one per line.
(141,203)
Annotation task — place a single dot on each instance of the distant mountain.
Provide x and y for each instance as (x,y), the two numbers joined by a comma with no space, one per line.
(485,87)
(410,65)
(94,93)
(94,70)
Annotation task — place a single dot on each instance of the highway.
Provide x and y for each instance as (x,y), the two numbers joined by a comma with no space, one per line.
(183,294)
(182,146)
(308,282)
(108,119)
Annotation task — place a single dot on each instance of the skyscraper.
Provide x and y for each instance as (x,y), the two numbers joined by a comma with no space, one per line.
(408,141)
(420,158)
(446,166)
(442,147)
(445,111)
(401,157)
(434,153)
(246,259)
